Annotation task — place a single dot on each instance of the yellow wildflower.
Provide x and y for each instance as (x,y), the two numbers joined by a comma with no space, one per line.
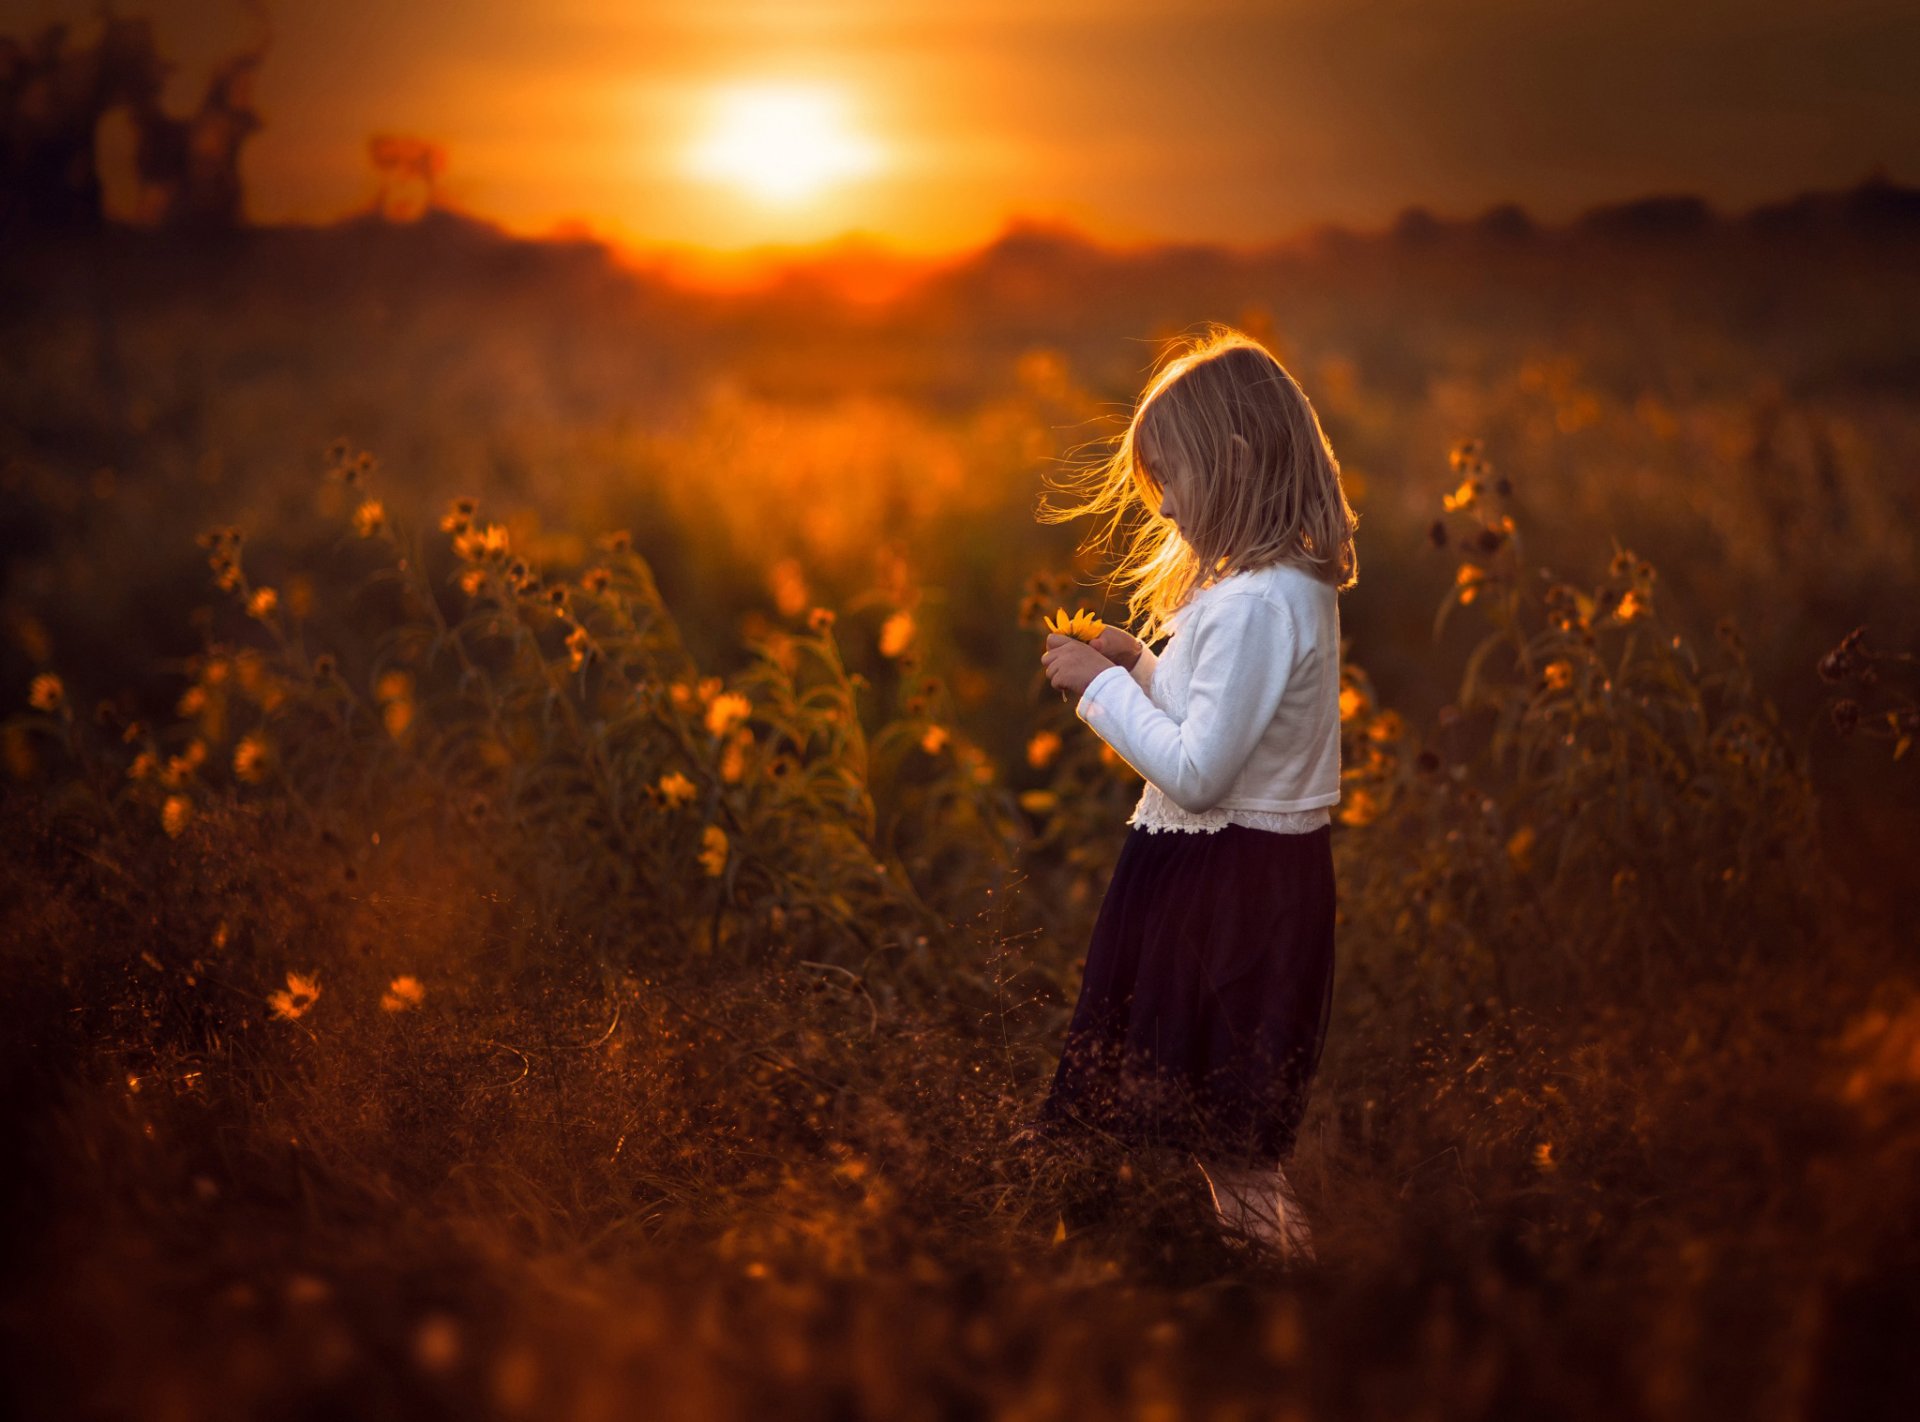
(733,761)
(484,543)
(727,708)
(458,515)
(1352,702)
(47,692)
(296,997)
(1038,802)
(250,759)
(1558,675)
(896,634)
(1387,726)
(403,992)
(1042,748)
(1359,808)
(1520,848)
(263,602)
(1631,605)
(713,851)
(789,584)
(579,646)
(676,789)
(175,814)
(1081,624)
(935,740)
(369,518)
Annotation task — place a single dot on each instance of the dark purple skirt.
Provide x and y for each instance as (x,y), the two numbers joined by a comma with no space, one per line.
(1208,984)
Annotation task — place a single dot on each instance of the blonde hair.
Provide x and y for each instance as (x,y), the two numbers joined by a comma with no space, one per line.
(1257,479)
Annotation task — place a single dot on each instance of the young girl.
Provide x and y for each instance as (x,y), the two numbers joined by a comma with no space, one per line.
(1208,981)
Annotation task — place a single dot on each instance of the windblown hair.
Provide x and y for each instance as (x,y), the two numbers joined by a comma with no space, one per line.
(1256,480)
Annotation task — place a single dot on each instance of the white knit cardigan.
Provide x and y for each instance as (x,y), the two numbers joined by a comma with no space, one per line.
(1237,719)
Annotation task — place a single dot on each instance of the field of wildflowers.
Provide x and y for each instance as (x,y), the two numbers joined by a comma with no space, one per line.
(586,939)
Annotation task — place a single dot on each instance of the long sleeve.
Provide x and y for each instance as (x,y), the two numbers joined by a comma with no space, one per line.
(1242,652)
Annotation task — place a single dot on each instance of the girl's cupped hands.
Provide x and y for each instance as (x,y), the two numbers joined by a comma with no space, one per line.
(1070,663)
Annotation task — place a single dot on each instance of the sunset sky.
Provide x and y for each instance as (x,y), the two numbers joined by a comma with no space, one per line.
(730,123)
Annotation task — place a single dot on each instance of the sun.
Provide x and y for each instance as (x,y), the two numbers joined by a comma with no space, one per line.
(781,143)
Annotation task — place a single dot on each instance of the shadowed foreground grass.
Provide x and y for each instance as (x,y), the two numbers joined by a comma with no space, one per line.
(463,1006)
(751,1193)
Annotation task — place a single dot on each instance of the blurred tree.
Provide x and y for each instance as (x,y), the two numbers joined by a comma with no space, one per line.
(409,169)
(56,88)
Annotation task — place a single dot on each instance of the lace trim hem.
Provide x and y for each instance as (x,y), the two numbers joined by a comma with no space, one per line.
(1166,816)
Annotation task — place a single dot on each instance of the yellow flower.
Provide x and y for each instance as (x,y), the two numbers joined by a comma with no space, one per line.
(1081,624)
(1042,748)
(1558,675)
(727,708)
(393,685)
(1631,605)
(145,765)
(1462,497)
(1520,848)
(1387,726)
(789,584)
(250,759)
(713,851)
(296,997)
(47,692)
(1359,808)
(1352,702)
(896,633)
(579,645)
(175,814)
(1038,802)
(471,579)
(935,740)
(1543,1156)
(458,515)
(263,601)
(733,760)
(676,789)
(1468,580)
(369,518)
(489,542)
(403,992)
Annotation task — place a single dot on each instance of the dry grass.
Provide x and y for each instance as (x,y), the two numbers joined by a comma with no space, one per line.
(466,1002)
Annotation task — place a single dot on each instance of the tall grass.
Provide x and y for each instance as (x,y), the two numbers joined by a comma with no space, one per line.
(467,1000)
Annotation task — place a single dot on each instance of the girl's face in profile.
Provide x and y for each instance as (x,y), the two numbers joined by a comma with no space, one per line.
(1163,478)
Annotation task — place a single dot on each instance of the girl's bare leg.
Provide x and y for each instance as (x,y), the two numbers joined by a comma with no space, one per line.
(1260,1204)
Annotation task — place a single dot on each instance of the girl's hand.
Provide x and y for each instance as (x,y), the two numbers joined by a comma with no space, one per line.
(1070,663)
(1121,648)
